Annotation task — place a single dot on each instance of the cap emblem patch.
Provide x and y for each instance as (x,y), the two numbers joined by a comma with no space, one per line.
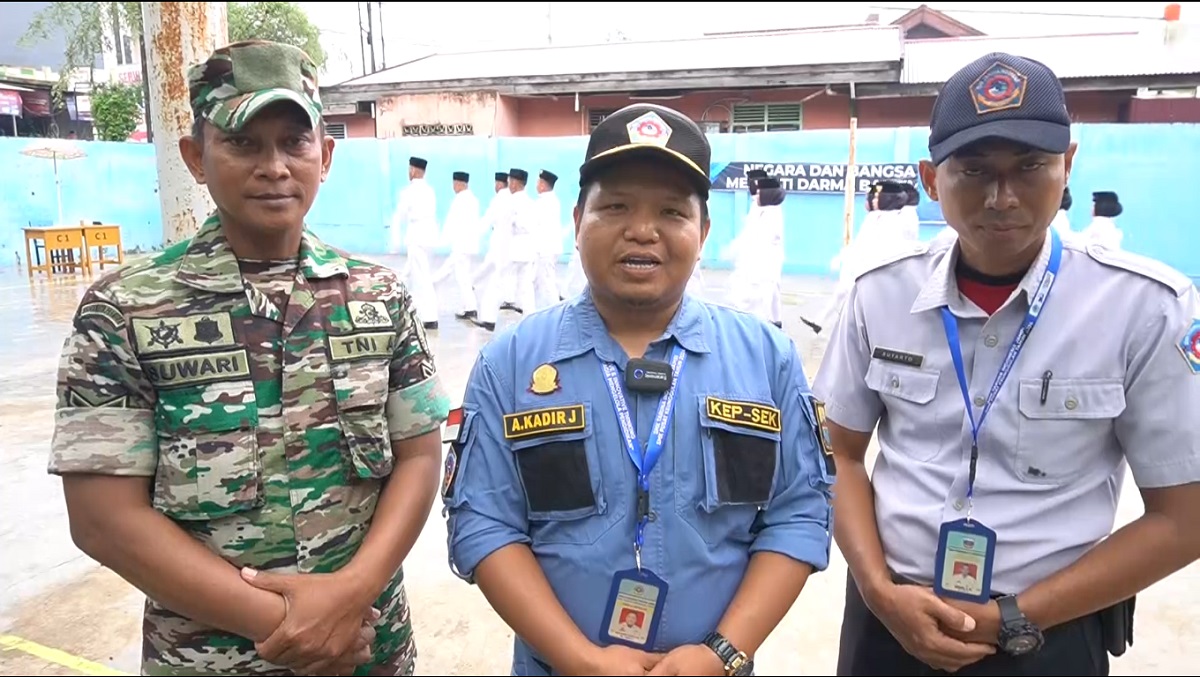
(1001,87)
(649,128)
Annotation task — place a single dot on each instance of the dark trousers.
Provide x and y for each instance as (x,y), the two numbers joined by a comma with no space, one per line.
(1073,649)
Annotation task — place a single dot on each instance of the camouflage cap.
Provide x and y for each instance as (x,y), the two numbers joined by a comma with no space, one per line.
(242,78)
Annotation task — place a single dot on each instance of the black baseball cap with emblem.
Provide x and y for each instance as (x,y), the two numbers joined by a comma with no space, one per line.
(646,129)
(1000,96)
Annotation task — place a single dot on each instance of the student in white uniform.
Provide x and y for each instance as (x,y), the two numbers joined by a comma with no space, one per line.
(881,231)
(494,269)
(911,221)
(416,209)
(1103,230)
(1013,375)
(520,220)
(1062,222)
(757,254)
(461,231)
(549,237)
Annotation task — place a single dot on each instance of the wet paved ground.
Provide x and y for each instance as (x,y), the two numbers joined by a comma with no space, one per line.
(78,618)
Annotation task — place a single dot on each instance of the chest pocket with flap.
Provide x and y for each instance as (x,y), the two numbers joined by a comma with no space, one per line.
(919,428)
(208,464)
(360,366)
(1060,439)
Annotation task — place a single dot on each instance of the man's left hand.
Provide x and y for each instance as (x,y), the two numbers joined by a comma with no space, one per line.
(987,621)
(324,622)
(690,659)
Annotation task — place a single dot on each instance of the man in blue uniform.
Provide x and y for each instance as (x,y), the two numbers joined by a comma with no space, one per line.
(637,480)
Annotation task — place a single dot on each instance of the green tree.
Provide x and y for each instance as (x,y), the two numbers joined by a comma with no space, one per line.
(88,29)
(276,21)
(116,109)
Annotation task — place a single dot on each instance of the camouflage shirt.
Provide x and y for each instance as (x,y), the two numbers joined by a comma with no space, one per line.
(266,427)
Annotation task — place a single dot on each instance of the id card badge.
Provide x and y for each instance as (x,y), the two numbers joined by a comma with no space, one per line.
(966,553)
(634,609)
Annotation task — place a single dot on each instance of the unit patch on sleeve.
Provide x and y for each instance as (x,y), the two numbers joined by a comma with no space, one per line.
(744,414)
(544,421)
(824,439)
(1190,346)
(451,470)
(104,311)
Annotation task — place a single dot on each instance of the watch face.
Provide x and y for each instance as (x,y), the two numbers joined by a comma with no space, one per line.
(1020,644)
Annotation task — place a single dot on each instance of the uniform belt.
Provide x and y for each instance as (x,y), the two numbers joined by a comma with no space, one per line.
(901,580)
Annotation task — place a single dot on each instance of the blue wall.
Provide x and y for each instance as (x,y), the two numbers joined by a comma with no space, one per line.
(1150,166)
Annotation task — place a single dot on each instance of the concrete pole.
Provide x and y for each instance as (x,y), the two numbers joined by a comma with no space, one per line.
(178,34)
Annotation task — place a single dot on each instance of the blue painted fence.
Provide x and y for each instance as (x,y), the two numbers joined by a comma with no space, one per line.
(1153,167)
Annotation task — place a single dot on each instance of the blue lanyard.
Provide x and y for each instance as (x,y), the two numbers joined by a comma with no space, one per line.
(1031,317)
(644,460)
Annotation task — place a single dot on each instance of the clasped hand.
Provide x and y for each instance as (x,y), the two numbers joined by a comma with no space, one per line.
(326,629)
(690,659)
(942,634)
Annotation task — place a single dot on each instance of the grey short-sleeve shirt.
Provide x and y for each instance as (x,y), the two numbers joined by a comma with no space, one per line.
(1107,378)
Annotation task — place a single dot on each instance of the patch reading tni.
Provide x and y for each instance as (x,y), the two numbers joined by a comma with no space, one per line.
(897,356)
(362,346)
(104,311)
(196,369)
(543,421)
(744,414)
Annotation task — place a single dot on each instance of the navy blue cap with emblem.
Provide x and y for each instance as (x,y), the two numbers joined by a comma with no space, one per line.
(1000,96)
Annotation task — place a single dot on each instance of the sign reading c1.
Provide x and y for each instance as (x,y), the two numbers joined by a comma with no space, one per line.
(814,177)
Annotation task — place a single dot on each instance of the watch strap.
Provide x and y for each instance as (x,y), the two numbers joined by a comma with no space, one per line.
(729,654)
(1010,613)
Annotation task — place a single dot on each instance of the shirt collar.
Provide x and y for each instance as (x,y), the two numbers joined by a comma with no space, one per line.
(583,329)
(941,289)
(209,263)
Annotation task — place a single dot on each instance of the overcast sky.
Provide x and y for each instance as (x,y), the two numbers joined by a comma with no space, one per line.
(410,28)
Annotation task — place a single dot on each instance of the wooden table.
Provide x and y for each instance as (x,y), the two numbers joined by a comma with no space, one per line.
(101,237)
(60,243)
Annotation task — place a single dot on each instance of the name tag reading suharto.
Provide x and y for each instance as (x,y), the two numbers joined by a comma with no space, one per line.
(543,421)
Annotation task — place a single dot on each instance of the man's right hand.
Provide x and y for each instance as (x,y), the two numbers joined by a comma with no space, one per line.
(614,660)
(913,615)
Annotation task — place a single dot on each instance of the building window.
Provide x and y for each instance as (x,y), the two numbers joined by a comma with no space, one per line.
(596,116)
(438,129)
(767,117)
(336,129)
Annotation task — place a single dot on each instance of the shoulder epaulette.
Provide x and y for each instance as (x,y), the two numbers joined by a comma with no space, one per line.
(890,255)
(1141,265)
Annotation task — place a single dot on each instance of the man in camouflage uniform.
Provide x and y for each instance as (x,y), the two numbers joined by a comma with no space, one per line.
(248,423)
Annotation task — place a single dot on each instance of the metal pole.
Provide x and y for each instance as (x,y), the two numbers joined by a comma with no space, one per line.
(382,41)
(182,34)
(851,181)
(362,41)
(371,35)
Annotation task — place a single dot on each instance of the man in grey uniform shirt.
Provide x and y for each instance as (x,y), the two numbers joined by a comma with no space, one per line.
(983,542)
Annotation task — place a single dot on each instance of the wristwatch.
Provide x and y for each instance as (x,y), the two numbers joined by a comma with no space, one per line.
(1018,636)
(736,662)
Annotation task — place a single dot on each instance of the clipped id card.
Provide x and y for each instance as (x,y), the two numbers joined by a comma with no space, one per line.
(634,609)
(966,553)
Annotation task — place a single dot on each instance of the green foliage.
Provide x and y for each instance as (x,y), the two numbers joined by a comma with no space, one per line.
(116,110)
(87,27)
(276,21)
